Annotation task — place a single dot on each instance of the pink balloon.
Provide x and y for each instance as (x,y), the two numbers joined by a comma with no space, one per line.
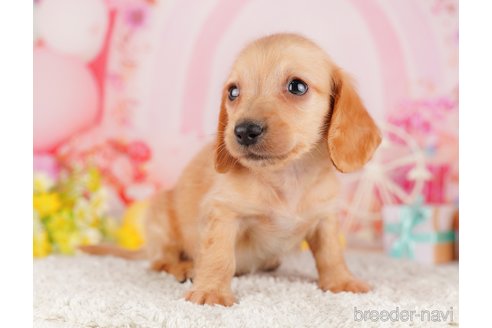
(65,99)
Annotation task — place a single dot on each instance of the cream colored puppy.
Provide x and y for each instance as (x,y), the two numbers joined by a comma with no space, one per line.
(289,118)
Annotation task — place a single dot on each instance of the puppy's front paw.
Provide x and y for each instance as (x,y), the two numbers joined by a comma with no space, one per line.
(346,284)
(210,297)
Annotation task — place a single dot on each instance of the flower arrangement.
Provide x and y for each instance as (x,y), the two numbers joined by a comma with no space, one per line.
(86,195)
(69,210)
(122,163)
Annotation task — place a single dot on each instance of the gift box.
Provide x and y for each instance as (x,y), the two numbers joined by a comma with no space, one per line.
(436,188)
(456,228)
(420,232)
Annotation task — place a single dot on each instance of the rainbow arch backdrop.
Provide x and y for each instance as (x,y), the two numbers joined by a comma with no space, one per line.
(165,61)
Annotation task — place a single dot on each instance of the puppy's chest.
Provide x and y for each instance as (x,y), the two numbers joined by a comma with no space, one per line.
(286,215)
(275,222)
(279,224)
(268,236)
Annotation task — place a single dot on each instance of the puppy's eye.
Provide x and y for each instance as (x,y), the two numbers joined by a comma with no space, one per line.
(233,92)
(297,87)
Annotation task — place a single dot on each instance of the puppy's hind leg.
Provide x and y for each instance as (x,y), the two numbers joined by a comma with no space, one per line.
(164,242)
(182,270)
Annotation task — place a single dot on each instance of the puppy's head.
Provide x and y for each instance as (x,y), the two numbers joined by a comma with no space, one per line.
(283,98)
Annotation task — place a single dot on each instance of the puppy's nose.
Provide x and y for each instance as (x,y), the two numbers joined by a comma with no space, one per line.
(248,133)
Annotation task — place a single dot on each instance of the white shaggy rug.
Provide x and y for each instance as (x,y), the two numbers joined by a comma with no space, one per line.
(86,291)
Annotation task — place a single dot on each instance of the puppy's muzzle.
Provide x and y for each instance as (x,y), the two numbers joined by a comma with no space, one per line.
(248,133)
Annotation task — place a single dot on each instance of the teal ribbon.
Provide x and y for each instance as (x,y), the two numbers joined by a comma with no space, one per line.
(411,216)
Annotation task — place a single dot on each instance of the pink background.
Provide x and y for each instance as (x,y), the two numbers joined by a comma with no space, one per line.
(157,73)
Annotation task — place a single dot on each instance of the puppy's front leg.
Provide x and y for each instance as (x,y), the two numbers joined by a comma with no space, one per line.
(328,254)
(216,263)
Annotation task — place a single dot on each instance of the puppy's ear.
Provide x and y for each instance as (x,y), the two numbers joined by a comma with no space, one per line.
(352,134)
(223,159)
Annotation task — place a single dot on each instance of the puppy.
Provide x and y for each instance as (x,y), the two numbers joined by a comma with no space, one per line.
(289,118)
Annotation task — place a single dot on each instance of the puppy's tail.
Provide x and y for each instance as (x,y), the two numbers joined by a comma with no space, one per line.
(106,249)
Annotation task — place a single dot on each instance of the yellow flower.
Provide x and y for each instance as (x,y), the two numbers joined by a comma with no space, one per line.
(90,236)
(129,237)
(66,241)
(341,239)
(59,222)
(130,234)
(46,203)
(82,211)
(42,183)
(108,227)
(304,246)
(41,245)
(93,180)
(73,215)
(99,202)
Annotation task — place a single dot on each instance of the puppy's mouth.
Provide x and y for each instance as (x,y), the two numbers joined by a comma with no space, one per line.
(252,156)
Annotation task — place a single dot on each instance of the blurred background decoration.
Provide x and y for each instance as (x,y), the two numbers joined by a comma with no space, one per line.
(126,91)
(69,210)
